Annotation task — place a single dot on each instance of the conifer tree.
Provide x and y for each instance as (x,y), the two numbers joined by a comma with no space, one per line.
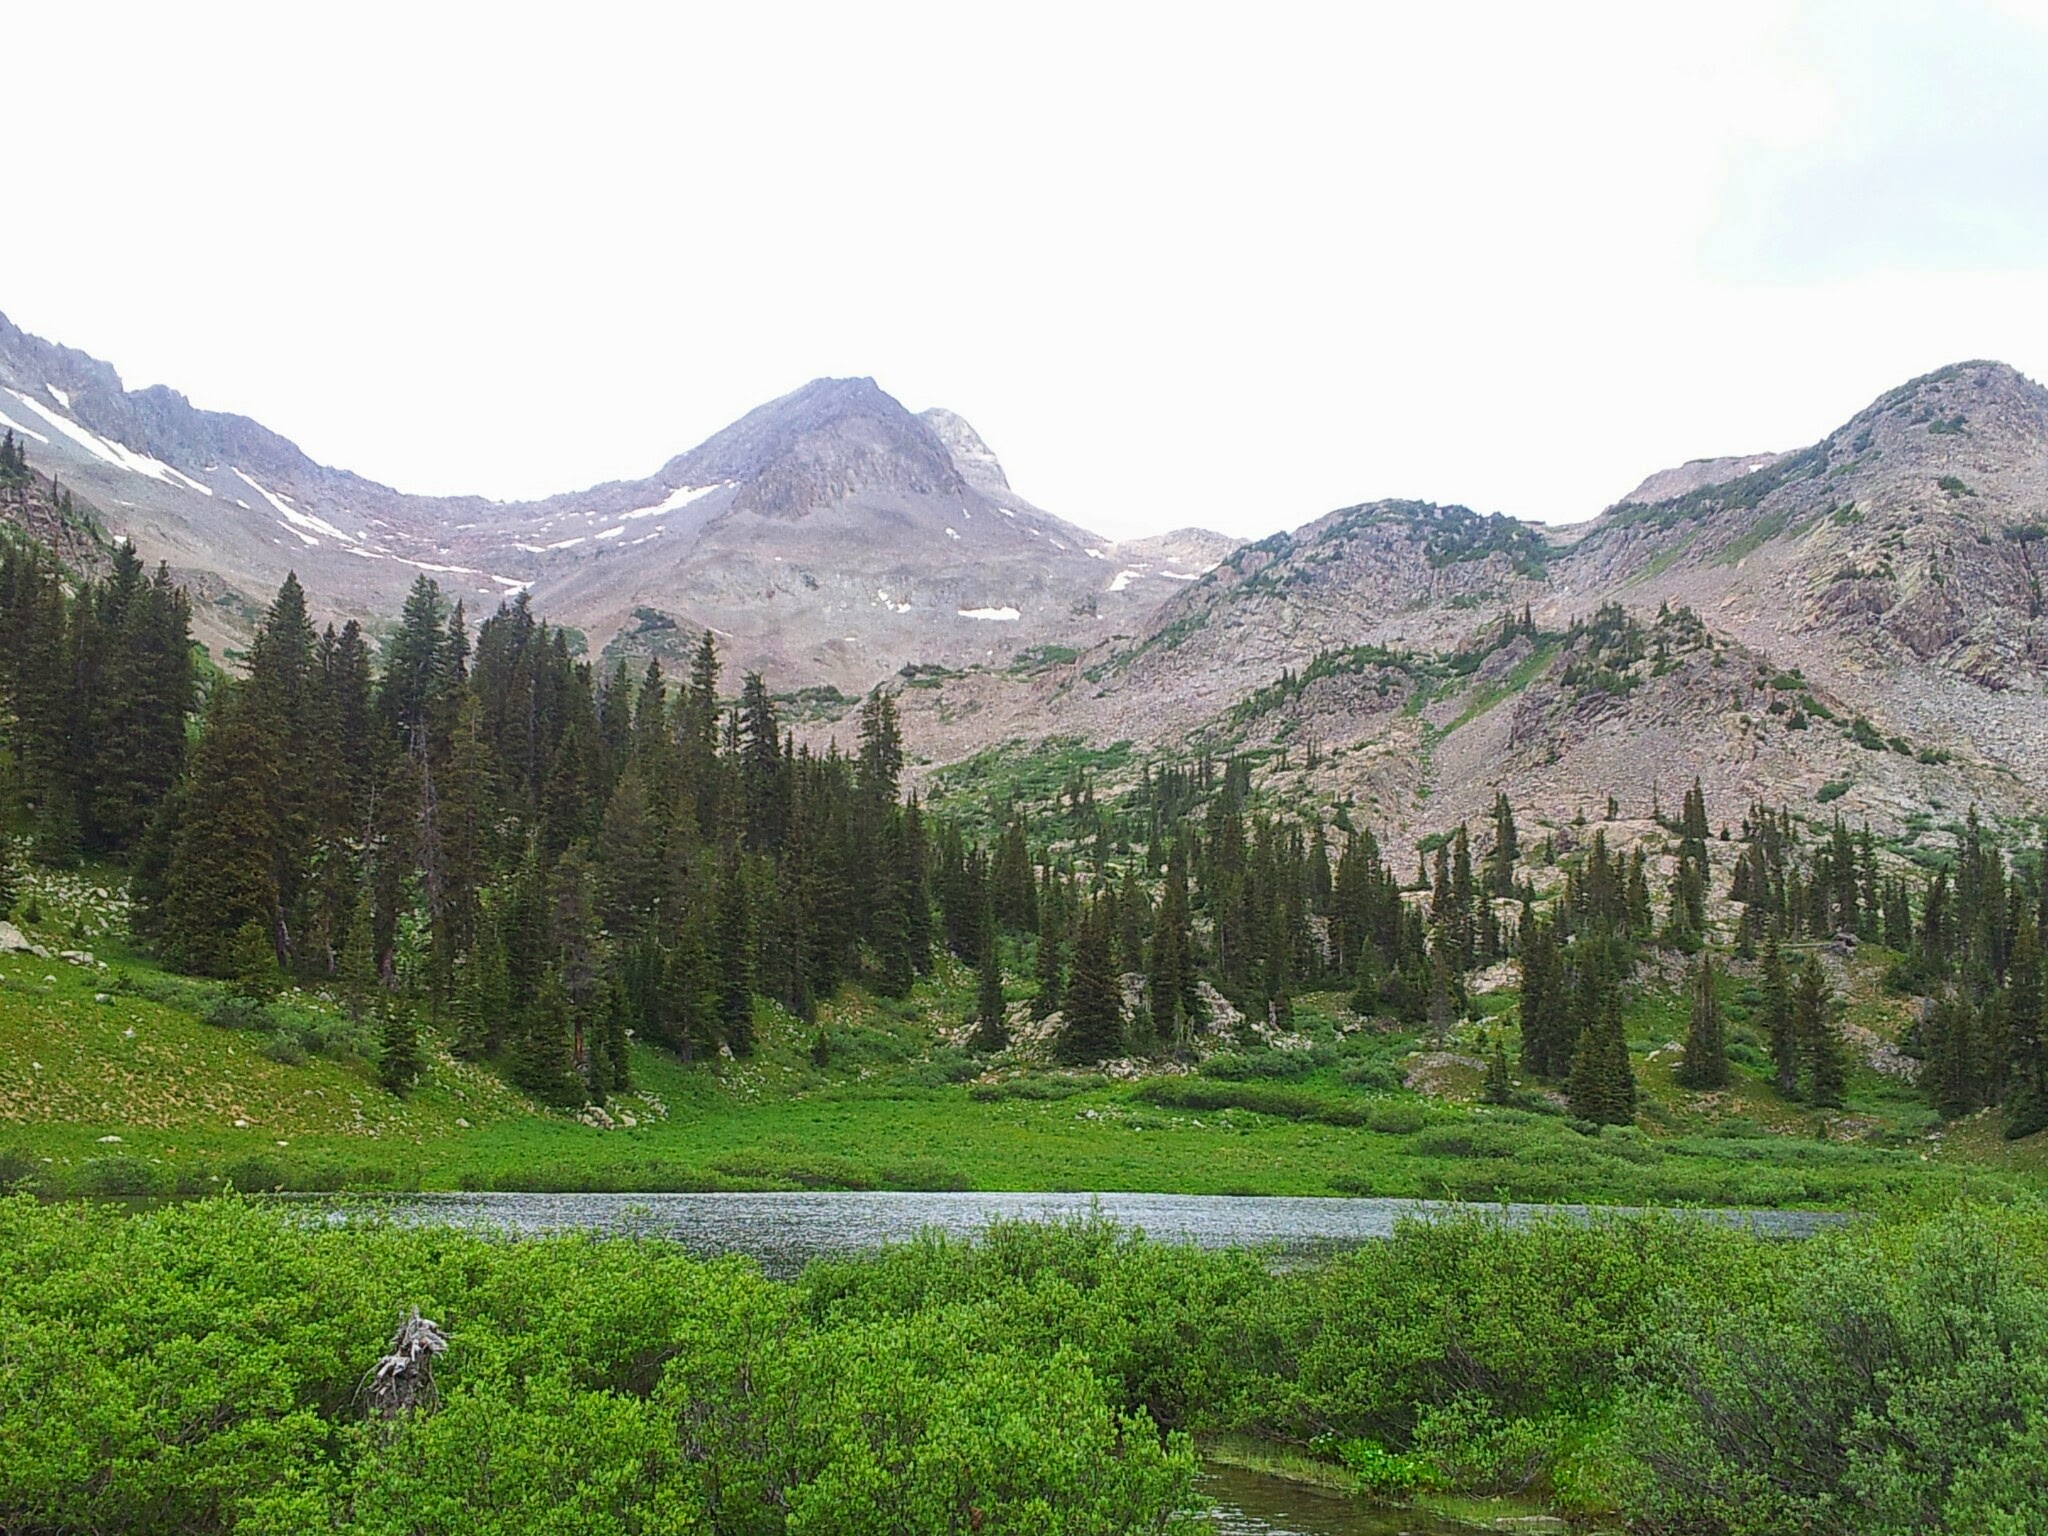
(463,1015)
(1441,1005)
(605,1068)
(1949,1048)
(543,1061)
(252,962)
(1825,1059)
(890,924)
(1547,1036)
(991,1021)
(1507,848)
(1132,912)
(1779,1029)
(1092,1028)
(1499,1087)
(1172,976)
(399,1061)
(2026,1109)
(222,874)
(1049,965)
(734,938)
(1462,932)
(1366,989)
(10,877)
(1602,1087)
(1706,1051)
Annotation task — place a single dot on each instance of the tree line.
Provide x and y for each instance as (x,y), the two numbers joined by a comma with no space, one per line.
(549,860)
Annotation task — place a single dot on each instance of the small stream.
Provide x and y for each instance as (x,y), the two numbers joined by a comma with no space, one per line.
(1256,1504)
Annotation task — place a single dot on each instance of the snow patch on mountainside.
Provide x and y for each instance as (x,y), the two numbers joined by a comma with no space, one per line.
(678,498)
(1000,615)
(12,425)
(292,515)
(99,447)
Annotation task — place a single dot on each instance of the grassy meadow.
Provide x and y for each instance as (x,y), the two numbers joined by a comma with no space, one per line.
(117,1078)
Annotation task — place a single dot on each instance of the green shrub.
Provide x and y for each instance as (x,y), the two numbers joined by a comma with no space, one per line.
(1265,1062)
(1900,1385)
(1035,1088)
(1259,1097)
(120,1175)
(18,1168)
(285,1049)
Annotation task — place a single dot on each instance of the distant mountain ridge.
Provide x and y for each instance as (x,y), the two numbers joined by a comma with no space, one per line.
(830,536)
(1867,633)
(1858,624)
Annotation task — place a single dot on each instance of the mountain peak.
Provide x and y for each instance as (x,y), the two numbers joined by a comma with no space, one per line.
(832,440)
(976,461)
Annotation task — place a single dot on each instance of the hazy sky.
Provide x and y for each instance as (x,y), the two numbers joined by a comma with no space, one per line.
(1180,264)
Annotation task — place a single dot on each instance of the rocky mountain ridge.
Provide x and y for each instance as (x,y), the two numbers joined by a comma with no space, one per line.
(831,536)
(1888,575)
(1858,624)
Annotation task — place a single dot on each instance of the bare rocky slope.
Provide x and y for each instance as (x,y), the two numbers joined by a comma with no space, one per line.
(1856,626)
(830,537)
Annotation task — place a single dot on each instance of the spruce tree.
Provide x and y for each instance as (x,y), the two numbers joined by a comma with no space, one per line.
(1049,964)
(252,962)
(1132,911)
(1499,1088)
(360,975)
(1603,1087)
(399,1061)
(1821,1050)
(1092,1028)
(1948,1048)
(734,941)
(10,877)
(614,1048)
(1680,933)
(1825,1057)
(1507,848)
(1365,990)
(1706,1052)
(1547,1038)
(221,873)
(543,1061)
(2026,1109)
(991,1022)
(1779,1029)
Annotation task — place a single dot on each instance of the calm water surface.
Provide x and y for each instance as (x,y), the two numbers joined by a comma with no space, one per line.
(785,1231)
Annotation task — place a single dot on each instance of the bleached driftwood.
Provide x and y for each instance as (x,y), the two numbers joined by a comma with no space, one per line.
(404,1379)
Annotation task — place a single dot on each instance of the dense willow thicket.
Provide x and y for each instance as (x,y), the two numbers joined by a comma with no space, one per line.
(199,1369)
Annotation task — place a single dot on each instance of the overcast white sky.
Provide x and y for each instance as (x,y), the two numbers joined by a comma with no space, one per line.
(1179,264)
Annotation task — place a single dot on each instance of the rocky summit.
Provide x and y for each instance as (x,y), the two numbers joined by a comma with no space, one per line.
(829,538)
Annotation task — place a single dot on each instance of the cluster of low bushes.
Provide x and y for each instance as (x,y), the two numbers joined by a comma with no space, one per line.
(295,1026)
(198,1369)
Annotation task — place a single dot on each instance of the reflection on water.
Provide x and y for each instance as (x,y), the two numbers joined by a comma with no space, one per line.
(1253,1504)
(784,1231)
